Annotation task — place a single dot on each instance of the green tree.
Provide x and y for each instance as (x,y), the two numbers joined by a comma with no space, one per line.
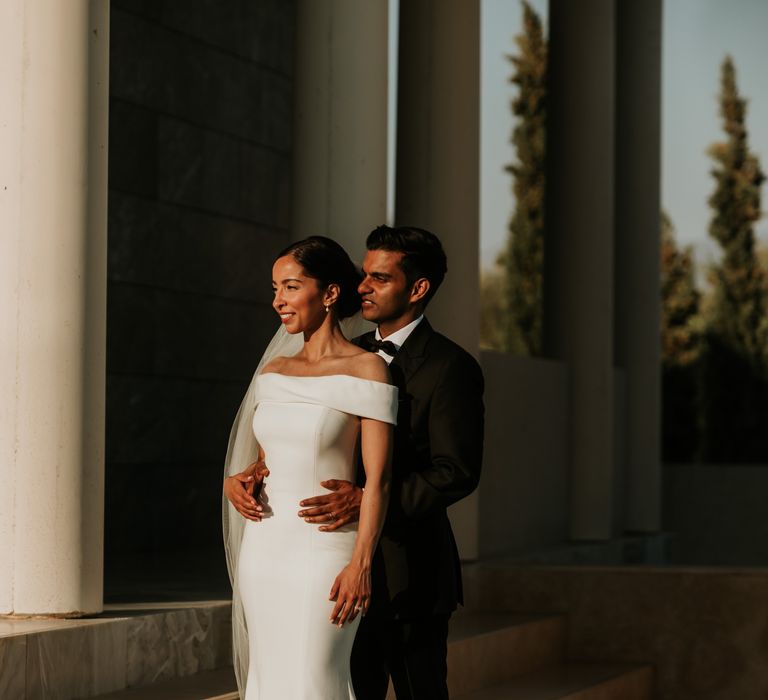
(681,338)
(681,323)
(492,308)
(523,257)
(735,407)
(740,299)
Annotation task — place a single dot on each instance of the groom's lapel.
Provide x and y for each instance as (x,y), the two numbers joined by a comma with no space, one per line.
(413,352)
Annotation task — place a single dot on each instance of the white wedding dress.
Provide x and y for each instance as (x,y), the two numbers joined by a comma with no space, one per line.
(309,428)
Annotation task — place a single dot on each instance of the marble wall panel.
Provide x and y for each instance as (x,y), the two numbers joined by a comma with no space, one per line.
(13,667)
(155,68)
(172,644)
(221,175)
(76,662)
(163,572)
(190,250)
(262,32)
(199,83)
(199,204)
(222,635)
(173,334)
(132,149)
(165,420)
(150,9)
(274,45)
(142,518)
(82,659)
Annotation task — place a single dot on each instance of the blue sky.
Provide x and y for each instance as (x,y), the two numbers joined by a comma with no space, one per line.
(696,36)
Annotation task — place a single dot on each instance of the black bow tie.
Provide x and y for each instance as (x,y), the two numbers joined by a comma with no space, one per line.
(386,346)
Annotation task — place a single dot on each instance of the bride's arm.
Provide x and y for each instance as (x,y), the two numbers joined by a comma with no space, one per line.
(352,588)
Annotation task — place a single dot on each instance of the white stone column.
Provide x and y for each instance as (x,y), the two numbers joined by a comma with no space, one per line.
(340,120)
(53,193)
(438,155)
(579,266)
(638,153)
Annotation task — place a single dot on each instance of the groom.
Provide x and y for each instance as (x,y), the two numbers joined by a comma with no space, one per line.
(436,462)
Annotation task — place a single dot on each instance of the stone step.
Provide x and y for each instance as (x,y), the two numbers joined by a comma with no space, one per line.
(483,649)
(218,684)
(573,681)
(487,648)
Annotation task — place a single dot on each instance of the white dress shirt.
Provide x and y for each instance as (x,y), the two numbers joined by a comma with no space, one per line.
(397,338)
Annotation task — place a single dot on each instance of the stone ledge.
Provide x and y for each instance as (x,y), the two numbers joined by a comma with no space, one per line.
(128,645)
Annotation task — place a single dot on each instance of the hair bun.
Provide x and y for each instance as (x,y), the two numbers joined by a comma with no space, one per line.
(326,261)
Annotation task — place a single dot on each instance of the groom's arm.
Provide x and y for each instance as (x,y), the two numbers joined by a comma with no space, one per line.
(455,425)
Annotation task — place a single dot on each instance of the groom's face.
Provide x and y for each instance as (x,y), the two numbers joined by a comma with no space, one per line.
(385,291)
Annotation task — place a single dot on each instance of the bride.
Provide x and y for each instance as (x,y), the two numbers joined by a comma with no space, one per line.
(298,591)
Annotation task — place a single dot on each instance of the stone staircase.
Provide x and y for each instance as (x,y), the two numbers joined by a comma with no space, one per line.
(496,656)
(491,656)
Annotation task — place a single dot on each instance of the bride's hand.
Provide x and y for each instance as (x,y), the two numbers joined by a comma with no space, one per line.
(352,592)
(239,490)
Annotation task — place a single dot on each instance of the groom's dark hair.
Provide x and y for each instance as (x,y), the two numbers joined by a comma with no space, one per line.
(423,254)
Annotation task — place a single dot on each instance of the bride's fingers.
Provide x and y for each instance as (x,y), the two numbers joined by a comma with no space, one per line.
(346,609)
(334,590)
(246,498)
(248,510)
(238,500)
(357,609)
(336,612)
(246,502)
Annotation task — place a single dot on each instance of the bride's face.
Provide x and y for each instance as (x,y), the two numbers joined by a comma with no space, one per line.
(298,299)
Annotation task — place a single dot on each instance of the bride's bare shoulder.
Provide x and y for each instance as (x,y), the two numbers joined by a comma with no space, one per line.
(276,364)
(368,365)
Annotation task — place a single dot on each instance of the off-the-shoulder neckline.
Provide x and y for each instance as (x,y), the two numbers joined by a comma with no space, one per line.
(323,376)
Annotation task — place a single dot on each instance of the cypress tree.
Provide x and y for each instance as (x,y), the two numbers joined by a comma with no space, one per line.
(735,408)
(740,298)
(523,257)
(680,321)
(681,334)
(492,308)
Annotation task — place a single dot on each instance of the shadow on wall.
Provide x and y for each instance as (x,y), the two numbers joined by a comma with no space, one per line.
(199,204)
(716,514)
(524,486)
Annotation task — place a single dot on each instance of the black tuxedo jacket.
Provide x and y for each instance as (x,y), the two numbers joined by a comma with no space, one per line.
(438,445)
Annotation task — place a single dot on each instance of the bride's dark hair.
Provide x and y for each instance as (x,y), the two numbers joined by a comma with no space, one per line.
(326,261)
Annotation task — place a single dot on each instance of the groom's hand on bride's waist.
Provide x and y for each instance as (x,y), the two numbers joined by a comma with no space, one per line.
(333,510)
(242,490)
